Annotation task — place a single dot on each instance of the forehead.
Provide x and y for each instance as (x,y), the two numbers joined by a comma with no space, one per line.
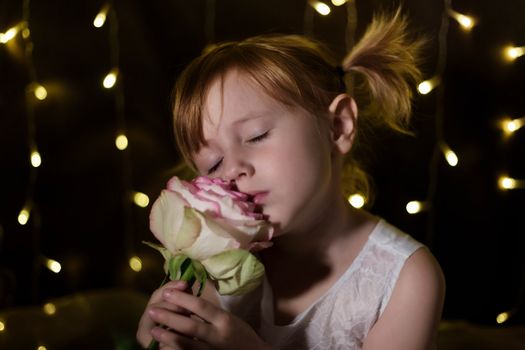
(233,98)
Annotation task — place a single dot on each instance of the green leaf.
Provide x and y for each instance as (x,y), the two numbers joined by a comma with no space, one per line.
(236,271)
(201,275)
(187,271)
(174,266)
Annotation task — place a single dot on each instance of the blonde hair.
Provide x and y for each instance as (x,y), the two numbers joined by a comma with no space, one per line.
(300,71)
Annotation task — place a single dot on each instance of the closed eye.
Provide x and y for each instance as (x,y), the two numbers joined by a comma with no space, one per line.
(259,137)
(215,167)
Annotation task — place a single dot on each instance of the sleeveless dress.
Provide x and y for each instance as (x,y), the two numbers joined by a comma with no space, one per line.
(343,316)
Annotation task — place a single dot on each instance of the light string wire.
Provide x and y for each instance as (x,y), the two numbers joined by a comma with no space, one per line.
(120,112)
(30,205)
(439,122)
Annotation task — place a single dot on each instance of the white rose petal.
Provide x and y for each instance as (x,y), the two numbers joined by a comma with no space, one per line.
(166,217)
(213,239)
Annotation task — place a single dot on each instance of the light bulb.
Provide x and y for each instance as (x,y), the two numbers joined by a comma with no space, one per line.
(450,155)
(53,265)
(49,309)
(10,34)
(141,199)
(36,159)
(121,142)
(356,200)
(338,2)
(502,317)
(510,126)
(414,207)
(511,52)
(320,7)
(466,22)
(23,216)
(100,19)
(40,92)
(110,79)
(427,86)
(135,263)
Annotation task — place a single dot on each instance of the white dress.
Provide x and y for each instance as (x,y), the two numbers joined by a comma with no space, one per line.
(344,315)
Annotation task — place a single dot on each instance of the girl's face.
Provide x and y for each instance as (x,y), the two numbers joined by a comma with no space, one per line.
(276,153)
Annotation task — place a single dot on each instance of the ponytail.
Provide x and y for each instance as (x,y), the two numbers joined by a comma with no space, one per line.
(386,58)
(384,63)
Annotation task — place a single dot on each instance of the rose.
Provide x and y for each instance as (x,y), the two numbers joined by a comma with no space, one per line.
(207,228)
(227,206)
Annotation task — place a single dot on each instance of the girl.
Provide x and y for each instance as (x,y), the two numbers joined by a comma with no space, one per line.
(276,115)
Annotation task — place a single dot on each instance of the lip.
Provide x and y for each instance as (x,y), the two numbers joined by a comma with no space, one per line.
(258,197)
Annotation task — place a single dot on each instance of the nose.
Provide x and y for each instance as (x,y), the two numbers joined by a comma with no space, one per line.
(237,168)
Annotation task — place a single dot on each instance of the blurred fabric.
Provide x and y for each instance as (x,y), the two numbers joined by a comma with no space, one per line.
(108,319)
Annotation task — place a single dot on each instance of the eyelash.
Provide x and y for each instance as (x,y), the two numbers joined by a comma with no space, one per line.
(252,140)
(258,138)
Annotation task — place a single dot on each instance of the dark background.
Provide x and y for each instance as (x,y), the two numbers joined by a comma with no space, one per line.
(82,213)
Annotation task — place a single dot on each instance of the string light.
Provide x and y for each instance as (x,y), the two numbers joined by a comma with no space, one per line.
(466,22)
(450,156)
(41,347)
(36,159)
(427,86)
(141,199)
(320,7)
(513,52)
(135,263)
(24,215)
(49,309)
(121,142)
(9,34)
(100,19)
(110,79)
(53,265)
(414,207)
(510,126)
(357,200)
(508,183)
(502,317)
(2,326)
(39,91)
(339,2)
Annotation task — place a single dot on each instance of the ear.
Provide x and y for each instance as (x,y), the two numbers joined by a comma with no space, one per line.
(343,122)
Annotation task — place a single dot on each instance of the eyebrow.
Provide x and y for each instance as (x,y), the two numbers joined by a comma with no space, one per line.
(250,116)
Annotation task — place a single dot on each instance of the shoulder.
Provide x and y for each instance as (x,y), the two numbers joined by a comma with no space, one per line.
(412,315)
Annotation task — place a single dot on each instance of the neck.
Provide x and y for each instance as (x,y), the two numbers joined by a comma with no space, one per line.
(321,234)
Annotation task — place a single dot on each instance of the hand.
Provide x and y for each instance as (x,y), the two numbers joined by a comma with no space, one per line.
(146,323)
(212,328)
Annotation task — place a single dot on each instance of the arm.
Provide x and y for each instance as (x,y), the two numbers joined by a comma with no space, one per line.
(411,317)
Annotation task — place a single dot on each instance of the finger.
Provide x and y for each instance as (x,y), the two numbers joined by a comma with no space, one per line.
(179,285)
(156,296)
(143,335)
(146,323)
(170,340)
(170,307)
(199,306)
(187,326)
